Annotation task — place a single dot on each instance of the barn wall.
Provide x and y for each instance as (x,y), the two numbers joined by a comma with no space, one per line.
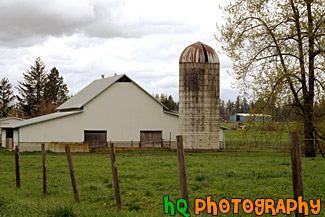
(123,110)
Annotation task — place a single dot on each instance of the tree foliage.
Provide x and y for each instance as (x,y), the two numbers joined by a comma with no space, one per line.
(167,100)
(31,89)
(277,48)
(40,93)
(55,90)
(6,97)
(239,106)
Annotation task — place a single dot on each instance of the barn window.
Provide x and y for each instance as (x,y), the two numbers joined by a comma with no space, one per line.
(150,138)
(95,138)
(124,79)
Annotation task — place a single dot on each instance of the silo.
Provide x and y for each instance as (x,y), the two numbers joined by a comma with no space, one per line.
(199,89)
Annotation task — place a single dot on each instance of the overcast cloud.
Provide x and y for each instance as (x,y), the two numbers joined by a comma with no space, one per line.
(85,39)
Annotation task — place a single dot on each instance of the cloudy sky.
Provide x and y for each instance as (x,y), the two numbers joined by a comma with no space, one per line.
(87,38)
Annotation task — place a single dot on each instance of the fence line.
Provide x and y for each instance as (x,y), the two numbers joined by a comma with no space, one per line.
(100,179)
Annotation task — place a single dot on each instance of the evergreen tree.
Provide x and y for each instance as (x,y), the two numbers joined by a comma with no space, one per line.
(166,100)
(55,90)
(230,109)
(6,97)
(31,89)
(222,110)
(245,106)
(238,105)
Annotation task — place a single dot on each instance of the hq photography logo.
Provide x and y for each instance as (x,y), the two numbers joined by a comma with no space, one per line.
(248,206)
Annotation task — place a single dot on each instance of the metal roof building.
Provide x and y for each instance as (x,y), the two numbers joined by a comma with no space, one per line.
(241,117)
(109,109)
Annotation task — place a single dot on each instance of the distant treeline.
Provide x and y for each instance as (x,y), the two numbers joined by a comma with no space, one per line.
(285,112)
(241,105)
(39,93)
(167,100)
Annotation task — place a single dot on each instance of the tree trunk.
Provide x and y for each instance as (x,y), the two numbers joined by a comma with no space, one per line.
(309,133)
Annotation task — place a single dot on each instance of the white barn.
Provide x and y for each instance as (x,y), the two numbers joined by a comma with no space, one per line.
(109,109)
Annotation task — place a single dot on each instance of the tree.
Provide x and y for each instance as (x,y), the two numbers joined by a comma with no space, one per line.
(6,97)
(230,109)
(31,89)
(245,106)
(238,107)
(277,48)
(55,90)
(222,110)
(166,100)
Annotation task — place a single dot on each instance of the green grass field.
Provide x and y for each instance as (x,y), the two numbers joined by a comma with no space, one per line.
(257,136)
(145,177)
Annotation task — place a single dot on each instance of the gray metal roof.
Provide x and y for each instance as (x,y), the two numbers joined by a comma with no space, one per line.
(9,118)
(80,99)
(40,119)
(89,92)
(171,113)
(94,89)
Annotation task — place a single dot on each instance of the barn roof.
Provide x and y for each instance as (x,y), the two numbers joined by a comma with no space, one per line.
(74,104)
(40,119)
(88,93)
(94,89)
(10,118)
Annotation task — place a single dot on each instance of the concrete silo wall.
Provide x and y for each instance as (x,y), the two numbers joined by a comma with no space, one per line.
(199,105)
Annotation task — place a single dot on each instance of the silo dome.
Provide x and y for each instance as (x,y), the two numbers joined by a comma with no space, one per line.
(199,53)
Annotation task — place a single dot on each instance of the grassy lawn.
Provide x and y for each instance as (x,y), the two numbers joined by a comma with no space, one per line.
(257,136)
(145,177)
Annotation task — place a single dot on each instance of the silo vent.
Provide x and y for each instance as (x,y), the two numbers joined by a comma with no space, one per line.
(205,54)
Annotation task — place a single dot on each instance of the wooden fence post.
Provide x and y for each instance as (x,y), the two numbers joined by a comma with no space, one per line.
(44,169)
(73,178)
(298,188)
(115,177)
(17,166)
(181,167)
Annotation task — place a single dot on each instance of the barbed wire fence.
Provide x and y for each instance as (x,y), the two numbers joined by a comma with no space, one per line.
(96,185)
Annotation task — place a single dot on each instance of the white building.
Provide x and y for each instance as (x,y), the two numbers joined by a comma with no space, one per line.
(110,109)
(6,121)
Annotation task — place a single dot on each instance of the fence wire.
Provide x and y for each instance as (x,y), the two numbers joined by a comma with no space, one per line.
(97,185)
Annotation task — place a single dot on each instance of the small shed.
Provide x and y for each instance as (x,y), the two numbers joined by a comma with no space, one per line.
(5,121)
(222,138)
(241,117)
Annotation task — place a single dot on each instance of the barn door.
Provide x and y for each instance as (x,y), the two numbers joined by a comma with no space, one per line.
(149,138)
(95,139)
(9,139)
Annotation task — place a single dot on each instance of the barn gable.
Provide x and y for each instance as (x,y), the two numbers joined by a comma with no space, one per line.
(94,89)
